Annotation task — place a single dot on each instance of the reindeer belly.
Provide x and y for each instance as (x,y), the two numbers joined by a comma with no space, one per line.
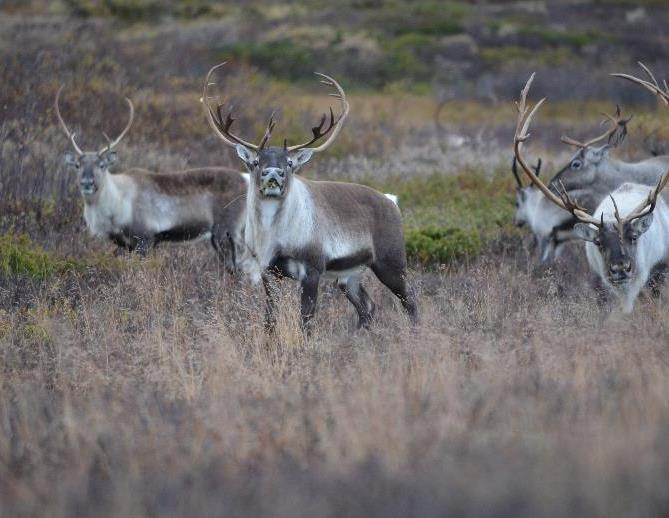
(178,218)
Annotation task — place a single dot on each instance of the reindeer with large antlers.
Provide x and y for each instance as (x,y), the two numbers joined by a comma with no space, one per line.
(306,230)
(589,176)
(136,209)
(622,250)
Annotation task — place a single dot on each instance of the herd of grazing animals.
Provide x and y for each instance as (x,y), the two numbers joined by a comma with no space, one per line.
(271,222)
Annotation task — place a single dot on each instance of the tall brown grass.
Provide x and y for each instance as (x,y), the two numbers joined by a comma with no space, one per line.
(156,392)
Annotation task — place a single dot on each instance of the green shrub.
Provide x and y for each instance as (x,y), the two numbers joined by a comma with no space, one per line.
(19,255)
(426,17)
(283,58)
(441,245)
(557,38)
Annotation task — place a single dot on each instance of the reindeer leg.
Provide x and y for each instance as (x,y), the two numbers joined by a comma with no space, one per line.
(270,302)
(657,278)
(395,280)
(356,294)
(309,296)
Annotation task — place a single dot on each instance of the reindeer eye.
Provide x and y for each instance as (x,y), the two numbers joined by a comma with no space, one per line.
(597,242)
(576,164)
(256,162)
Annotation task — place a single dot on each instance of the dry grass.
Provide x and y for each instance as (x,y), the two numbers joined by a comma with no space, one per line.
(156,392)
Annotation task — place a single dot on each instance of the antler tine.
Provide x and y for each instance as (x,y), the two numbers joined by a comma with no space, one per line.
(525,115)
(215,119)
(654,86)
(514,170)
(334,126)
(112,144)
(69,134)
(618,127)
(268,132)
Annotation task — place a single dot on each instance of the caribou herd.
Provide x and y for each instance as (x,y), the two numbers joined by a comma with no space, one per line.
(271,222)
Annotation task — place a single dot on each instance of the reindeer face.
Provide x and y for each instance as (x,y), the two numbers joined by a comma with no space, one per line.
(272,169)
(617,246)
(91,168)
(581,170)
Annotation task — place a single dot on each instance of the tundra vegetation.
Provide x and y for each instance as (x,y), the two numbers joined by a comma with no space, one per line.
(147,386)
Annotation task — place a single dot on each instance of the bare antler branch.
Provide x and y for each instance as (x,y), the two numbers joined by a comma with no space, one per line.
(525,115)
(662,93)
(69,134)
(112,144)
(614,135)
(333,127)
(221,125)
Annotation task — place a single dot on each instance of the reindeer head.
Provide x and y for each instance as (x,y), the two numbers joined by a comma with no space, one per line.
(92,166)
(272,168)
(583,167)
(616,240)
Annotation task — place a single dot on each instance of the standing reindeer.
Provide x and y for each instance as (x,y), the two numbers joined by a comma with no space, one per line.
(305,229)
(589,177)
(622,251)
(137,209)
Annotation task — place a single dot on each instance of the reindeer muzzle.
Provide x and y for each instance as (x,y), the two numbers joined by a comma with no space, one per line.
(88,187)
(273,183)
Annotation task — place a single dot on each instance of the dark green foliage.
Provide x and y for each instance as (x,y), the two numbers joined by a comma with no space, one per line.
(20,256)
(426,17)
(441,245)
(284,58)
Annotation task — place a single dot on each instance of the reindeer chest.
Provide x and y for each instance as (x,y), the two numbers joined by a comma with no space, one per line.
(109,214)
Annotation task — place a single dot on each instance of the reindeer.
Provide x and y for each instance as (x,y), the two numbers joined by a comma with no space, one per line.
(550,226)
(307,230)
(137,209)
(589,176)
(622,251)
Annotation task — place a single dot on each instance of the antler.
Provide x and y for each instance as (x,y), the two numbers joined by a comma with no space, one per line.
(112,144)
(648,204)
(222,125)
(615,134)
(69,134)
(525,115)
(514,170)
(333,127)
(662,92)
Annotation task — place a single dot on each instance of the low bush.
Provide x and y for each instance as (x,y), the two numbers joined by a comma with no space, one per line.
(441,245)
(20,256)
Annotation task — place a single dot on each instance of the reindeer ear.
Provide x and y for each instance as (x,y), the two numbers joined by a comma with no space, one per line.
(598,154)
(640,225)
(111,157)
(70,159)
(246,155)
(301,157)
(585,231)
